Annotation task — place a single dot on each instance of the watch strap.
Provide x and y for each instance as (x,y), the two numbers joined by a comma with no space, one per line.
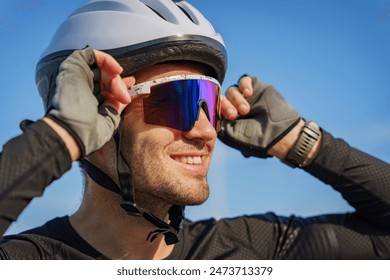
(308,137)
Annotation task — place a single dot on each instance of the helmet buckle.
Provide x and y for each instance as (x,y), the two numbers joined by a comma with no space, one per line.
(131,208)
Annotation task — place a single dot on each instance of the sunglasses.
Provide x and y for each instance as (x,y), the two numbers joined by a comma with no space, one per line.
(176,101)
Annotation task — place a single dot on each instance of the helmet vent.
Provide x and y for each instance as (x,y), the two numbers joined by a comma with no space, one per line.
(157,13)
(186,13)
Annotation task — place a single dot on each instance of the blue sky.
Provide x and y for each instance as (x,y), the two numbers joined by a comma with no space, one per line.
(330,59)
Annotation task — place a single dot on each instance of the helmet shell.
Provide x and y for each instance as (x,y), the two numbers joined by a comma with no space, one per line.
(138,33)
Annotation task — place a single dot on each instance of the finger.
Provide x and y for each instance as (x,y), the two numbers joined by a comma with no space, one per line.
(236,98)
(118,88)
(129,81)
(107,64)
(111,82)
(113,102)
(245,86)
(228,111)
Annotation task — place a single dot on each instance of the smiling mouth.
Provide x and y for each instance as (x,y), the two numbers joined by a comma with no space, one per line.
(193,160)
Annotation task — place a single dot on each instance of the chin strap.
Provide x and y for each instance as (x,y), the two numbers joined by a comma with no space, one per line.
(170,231)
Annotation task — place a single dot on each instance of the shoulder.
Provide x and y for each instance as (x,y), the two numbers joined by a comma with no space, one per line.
(53,240)
(26,247)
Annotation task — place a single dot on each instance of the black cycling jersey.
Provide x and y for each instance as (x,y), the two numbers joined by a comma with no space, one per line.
(250,237)
(364,182)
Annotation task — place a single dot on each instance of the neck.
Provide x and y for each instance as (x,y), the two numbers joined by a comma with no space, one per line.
(106,227)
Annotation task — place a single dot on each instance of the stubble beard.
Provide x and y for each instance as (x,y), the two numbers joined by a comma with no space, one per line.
(158,186)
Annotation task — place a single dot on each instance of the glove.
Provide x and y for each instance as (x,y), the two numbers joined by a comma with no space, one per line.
(76,107)
(269,119)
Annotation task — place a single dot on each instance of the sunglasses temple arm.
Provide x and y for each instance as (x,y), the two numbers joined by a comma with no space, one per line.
(132,93)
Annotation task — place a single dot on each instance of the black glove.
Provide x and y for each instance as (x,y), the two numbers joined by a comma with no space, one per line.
(76,107)
(269,119)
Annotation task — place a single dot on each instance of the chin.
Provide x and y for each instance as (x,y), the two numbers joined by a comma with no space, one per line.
(195,194)
(196,201)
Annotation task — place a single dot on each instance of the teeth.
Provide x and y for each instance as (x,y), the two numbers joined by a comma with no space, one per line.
(183,159)
(189,160)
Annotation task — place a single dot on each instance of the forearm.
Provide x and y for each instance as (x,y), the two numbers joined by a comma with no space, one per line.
(363,180)
(28,164)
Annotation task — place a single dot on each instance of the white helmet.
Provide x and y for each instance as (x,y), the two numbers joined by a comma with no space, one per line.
(138,33)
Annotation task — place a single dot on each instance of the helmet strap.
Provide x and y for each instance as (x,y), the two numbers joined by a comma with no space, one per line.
(125,189)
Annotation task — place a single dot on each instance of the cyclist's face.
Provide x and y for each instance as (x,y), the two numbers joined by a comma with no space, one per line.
(167,164)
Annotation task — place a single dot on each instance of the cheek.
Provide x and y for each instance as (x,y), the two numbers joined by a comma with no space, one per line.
(138,137)
(133,121)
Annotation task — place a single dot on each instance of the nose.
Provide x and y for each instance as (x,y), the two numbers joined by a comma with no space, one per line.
(202,129)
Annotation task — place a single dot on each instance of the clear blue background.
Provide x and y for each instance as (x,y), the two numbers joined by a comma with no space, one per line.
(330,59)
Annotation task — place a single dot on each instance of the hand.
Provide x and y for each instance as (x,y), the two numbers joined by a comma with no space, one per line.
(75,106)
(256,117)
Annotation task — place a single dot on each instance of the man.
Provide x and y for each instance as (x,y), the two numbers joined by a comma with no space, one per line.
(146,154)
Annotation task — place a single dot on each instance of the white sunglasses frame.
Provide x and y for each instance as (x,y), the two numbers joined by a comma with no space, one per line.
(144,88)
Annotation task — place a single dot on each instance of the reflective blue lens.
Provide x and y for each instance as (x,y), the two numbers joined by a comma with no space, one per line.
(176,104)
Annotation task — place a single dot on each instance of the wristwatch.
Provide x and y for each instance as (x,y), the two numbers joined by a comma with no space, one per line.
(308,137)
